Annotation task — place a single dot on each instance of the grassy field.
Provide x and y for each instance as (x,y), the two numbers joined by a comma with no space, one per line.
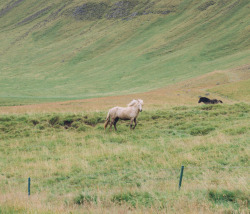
(231,86)
(50,51)
(74,165)
(63,64)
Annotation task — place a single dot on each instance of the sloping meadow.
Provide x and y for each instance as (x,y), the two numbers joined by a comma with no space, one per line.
(73,163)
(97,48)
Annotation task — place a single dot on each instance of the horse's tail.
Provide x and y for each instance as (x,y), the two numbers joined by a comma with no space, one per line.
(107,121)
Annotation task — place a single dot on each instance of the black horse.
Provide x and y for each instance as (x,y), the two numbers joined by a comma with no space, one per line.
(208,101)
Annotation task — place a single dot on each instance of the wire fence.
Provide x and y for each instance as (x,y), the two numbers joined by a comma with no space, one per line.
(170,177)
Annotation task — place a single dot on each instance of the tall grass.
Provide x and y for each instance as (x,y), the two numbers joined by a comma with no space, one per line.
(74,164)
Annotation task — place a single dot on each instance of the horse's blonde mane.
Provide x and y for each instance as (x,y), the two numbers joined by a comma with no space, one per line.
(134,102)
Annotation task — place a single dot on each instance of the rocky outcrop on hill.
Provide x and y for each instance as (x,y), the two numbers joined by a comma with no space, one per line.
(9,6)
(206,5)
(121,9)
(89,11)
(124,9)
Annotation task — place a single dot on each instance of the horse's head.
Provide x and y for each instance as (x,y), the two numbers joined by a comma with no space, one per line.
(140,104)
(136,103)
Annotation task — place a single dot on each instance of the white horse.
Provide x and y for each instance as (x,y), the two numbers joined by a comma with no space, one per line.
(129,113)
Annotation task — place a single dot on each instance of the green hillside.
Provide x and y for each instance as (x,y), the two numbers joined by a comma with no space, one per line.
(61,50)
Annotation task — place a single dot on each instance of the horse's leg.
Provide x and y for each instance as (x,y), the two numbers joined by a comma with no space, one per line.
(116,120)
(111,123)
(135,123)
(131,123)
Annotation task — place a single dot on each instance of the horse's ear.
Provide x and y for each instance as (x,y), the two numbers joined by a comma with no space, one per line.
(140,101)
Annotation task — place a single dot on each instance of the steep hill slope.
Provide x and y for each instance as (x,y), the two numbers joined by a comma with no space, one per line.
(64,50)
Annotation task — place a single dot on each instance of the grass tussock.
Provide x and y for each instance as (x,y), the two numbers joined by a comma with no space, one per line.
(84,198)
(134,199)
(227,196)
